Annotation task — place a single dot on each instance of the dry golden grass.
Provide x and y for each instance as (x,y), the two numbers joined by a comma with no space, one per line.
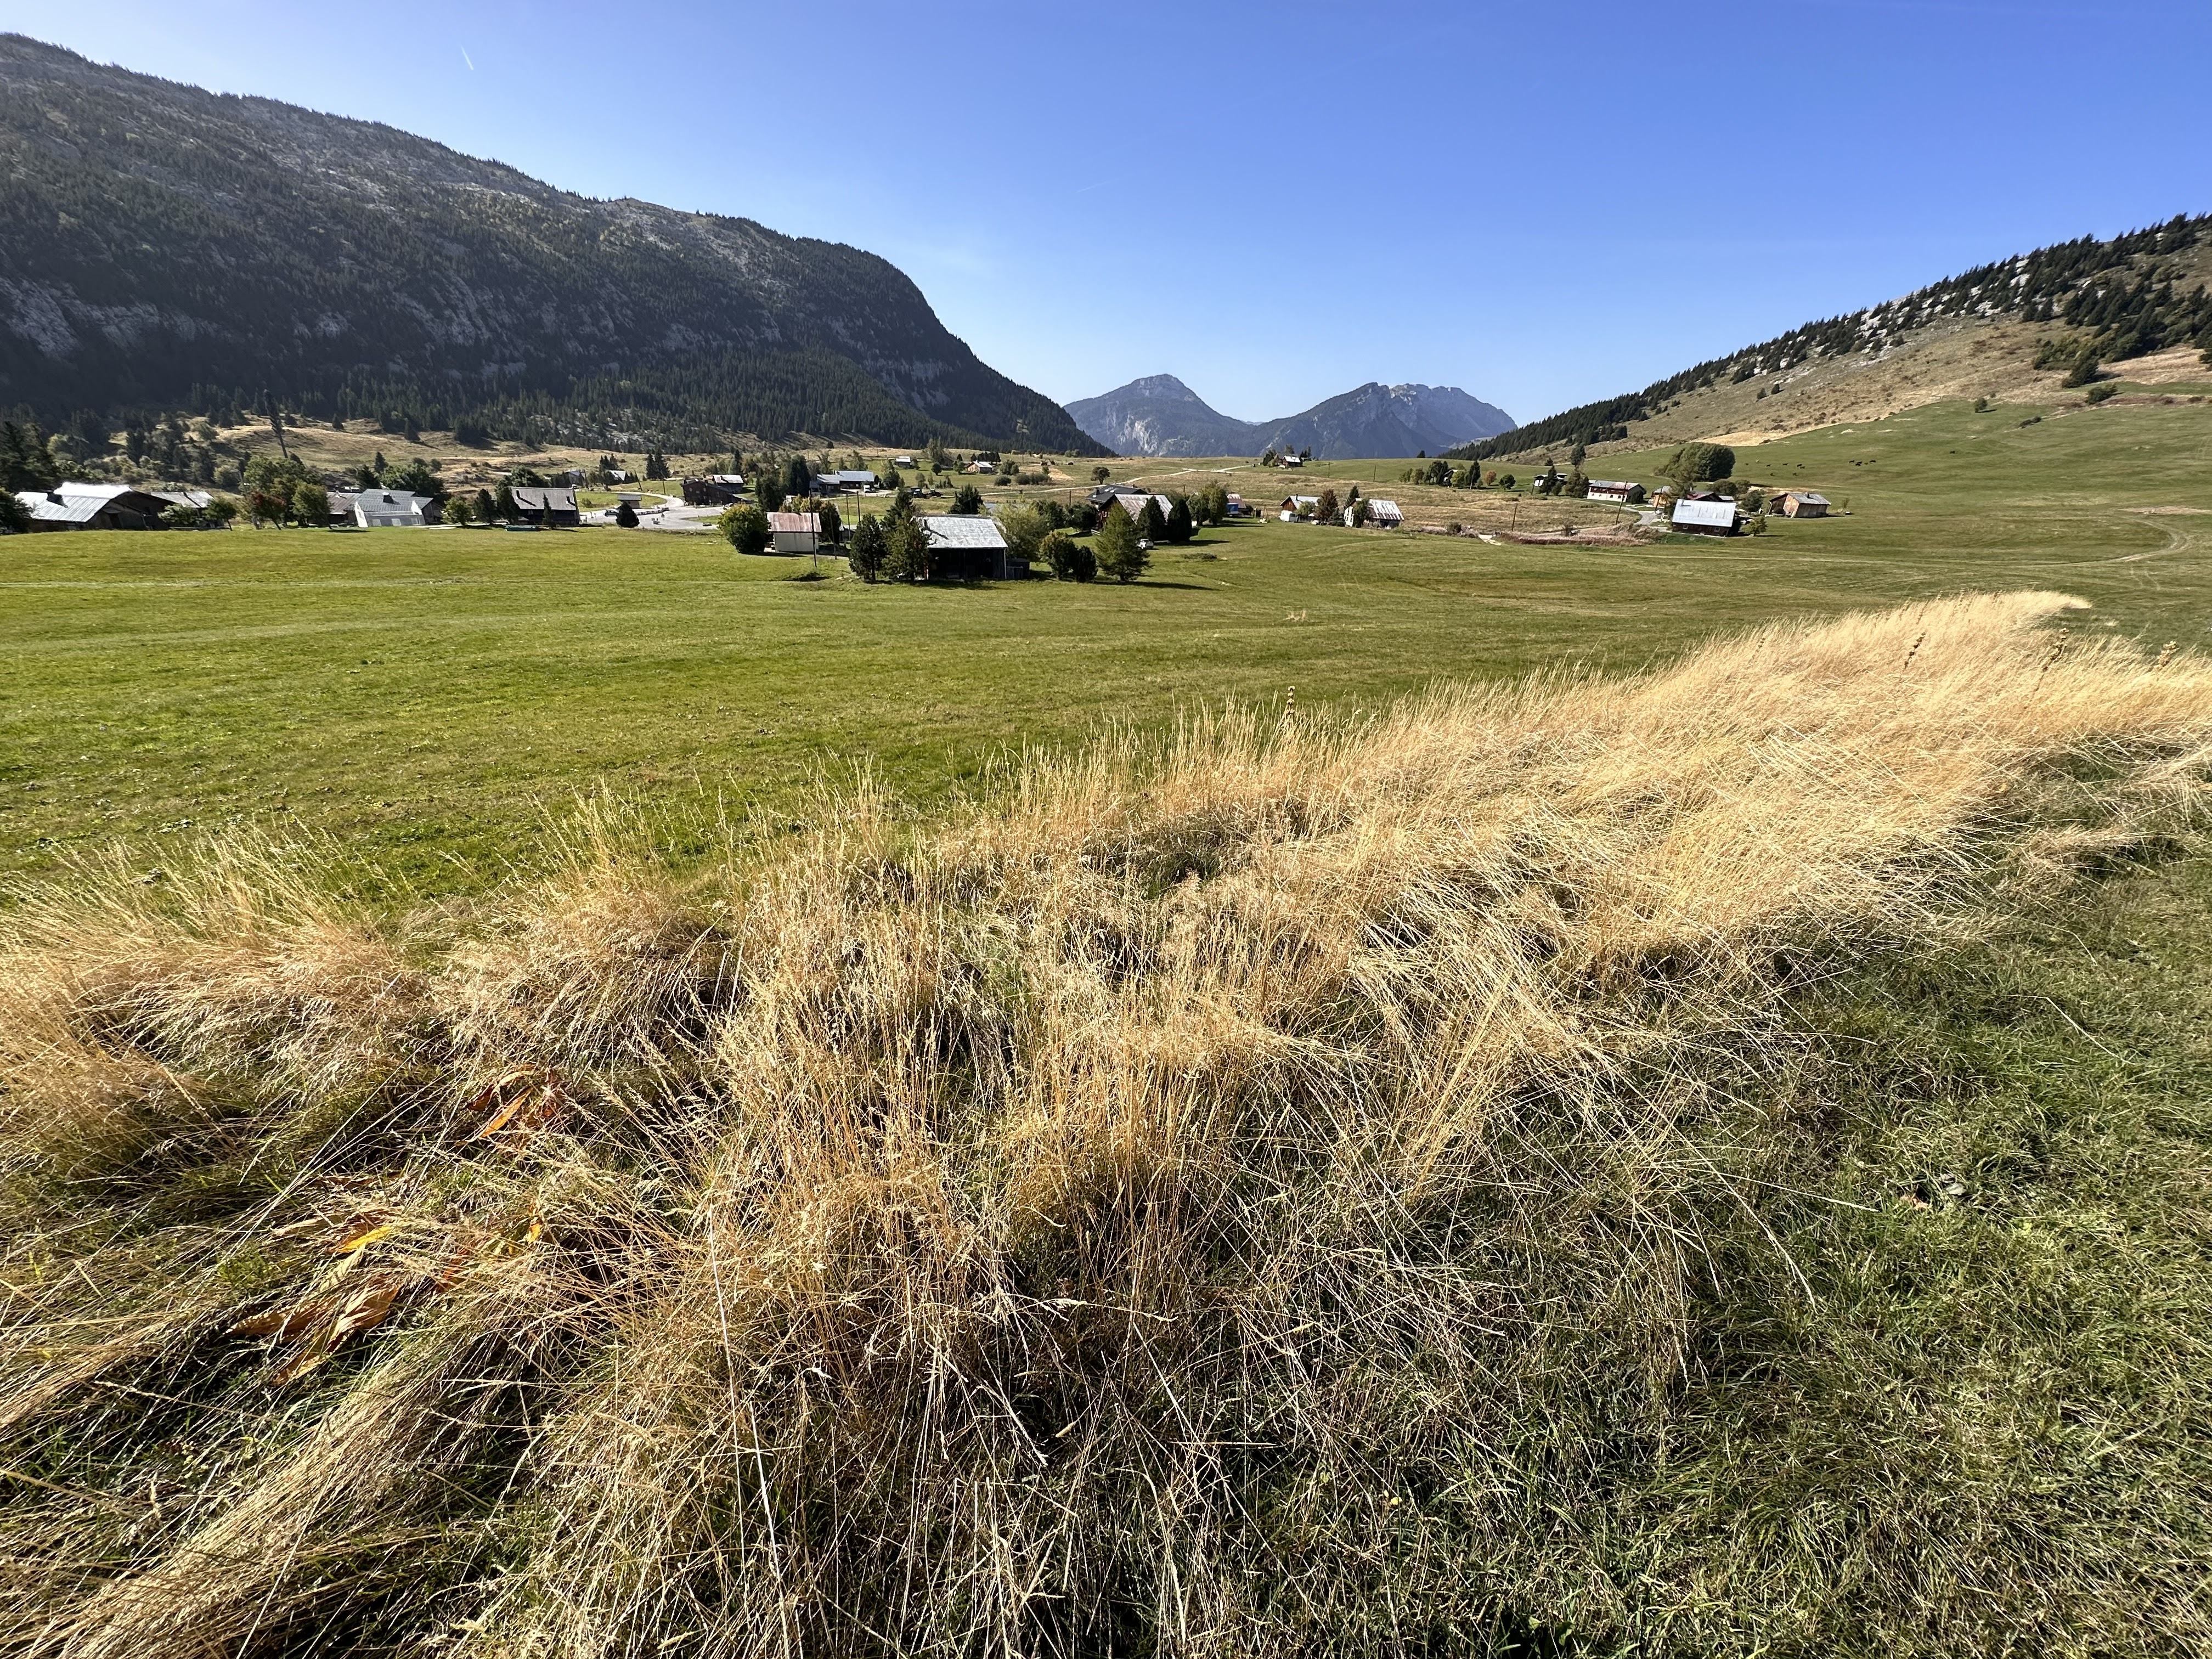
(1219,1202)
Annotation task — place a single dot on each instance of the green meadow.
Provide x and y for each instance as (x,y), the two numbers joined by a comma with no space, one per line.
(435,701)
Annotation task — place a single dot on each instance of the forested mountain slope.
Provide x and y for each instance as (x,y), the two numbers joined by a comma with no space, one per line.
(164,246)
(2015,328)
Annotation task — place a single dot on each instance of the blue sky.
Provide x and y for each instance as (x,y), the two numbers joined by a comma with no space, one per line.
(1279,201)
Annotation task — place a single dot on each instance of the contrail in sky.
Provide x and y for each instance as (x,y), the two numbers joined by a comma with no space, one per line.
(469,61)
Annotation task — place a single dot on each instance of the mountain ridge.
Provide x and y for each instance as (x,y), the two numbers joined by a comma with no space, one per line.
(1156,415)
(158,241)
(2009,329)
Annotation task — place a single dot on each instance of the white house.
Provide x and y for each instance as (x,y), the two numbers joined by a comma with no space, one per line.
(794,532)
(1384,515)
(843,481)
(383,509)
(1803,504)
(1612,489)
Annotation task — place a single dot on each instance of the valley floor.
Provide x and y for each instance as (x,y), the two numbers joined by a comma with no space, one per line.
(436,700)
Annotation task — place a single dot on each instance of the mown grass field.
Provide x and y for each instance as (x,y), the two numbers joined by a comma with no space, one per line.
(436,699)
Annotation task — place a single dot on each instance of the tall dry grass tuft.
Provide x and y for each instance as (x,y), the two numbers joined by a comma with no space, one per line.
(1244,1198)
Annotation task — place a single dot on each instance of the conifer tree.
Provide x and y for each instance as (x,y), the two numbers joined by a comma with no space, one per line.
(27,460)
(1180,526)
(866,557)
(1118,553)
(1328,509)
(1151,523)
(906,543)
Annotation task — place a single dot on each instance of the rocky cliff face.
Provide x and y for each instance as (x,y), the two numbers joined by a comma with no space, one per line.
(155,237)
(1161,416)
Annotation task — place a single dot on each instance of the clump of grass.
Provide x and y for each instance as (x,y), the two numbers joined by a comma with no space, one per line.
(1280,1195)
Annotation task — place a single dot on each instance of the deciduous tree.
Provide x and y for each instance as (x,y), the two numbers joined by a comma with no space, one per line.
(1024,526)
(746,528)
(1699,462)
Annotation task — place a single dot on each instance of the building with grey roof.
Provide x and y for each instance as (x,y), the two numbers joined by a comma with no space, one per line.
(970,547)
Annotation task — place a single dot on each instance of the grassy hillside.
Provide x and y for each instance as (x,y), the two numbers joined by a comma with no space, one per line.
(434,698)
(2009,332)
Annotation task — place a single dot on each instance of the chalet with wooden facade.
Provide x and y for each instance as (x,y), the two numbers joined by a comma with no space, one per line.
(970,547)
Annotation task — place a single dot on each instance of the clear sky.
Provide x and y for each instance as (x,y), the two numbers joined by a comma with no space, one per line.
(1278,202)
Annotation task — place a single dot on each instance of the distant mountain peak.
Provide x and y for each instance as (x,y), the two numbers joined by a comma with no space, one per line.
(1160,385)
(1158,415)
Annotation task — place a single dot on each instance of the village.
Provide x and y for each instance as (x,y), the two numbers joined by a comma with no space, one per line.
(287,474)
